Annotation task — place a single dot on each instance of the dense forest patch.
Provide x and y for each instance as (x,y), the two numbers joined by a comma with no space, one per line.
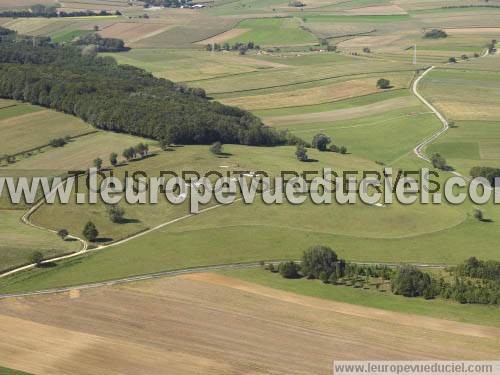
(123,98)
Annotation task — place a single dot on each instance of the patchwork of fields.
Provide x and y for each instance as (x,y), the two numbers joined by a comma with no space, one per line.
(316,71)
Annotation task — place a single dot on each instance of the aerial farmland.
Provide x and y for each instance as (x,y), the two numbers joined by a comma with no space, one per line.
(139,274)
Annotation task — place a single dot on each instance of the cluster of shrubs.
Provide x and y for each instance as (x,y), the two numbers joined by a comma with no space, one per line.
(321,142)
(141,150)
(296,4)
(435,34)
(166,3)
(438,161)
(59,142)
(488,173)
(234,47)
(322,263)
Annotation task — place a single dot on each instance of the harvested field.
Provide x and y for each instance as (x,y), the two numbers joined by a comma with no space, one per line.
(226,35)
(343,114)
(316,95)
(27,131)
(371,41)
(377,10)
(132,31)
(213,324)
(473,30)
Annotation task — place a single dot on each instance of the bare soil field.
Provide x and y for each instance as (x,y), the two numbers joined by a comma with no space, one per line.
(133,31)
(213,324)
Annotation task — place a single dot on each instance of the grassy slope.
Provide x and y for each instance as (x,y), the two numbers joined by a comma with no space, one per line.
(8,371)
(438,308)
(20,240)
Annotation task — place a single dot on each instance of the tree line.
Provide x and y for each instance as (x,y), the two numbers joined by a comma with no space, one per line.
(474,281)
(40,10)
(123,98)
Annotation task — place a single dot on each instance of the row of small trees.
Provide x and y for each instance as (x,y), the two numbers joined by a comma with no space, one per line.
(141,150)
(475,281)
(238,46)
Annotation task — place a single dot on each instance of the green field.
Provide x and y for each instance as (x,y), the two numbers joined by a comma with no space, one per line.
(273,32)
(438,308)
(19,241)
(7,371)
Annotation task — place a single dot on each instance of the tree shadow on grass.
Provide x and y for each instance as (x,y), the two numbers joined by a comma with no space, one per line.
(128,221)
(224,155)
(46,265)
(103,240)
(486,220)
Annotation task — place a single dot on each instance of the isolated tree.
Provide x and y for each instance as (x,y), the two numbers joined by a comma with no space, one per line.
(367,50)
(36,257)
(113,159)
(90,232)
(343,150)
(321,141)
(63,233)
(216,148)
(438,161)
(98,163)
(435,34)
(383,83)
(301,153)
(478,214)
(129,153)
(289,270)
(465,57)
(334,148)
(116,213)
(318,259)
(452,60)
(142,149)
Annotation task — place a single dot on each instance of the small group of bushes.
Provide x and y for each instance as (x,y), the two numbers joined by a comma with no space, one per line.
(59,142)
(141,150)
(321,142)
(235,47)
(435,34)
